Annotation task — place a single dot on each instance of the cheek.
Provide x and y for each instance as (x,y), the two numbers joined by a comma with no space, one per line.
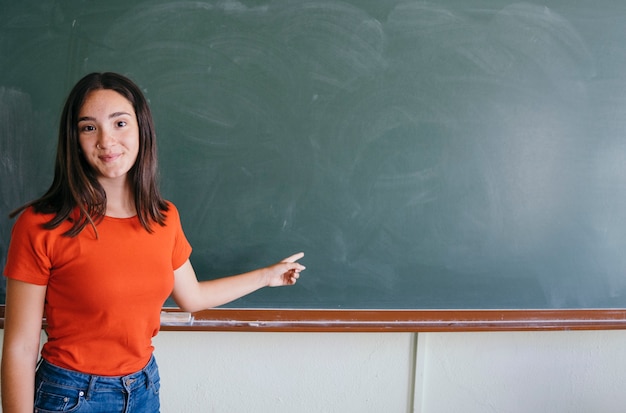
(83,145)
(133,146)
(86,153)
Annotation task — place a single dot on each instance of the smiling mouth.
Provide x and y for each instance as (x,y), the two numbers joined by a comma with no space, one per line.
(109,158)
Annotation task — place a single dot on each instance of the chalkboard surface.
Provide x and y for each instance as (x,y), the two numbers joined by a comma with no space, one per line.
(460,154)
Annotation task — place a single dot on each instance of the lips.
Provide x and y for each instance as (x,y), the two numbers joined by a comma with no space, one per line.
(109,157)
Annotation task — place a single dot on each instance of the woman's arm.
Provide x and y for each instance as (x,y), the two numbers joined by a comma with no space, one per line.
(20,351)
(191,295)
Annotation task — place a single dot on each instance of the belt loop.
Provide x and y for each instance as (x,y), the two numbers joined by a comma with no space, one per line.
(92,384)
(147,374)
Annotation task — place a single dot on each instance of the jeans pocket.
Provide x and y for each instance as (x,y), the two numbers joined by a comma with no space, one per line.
(51,397)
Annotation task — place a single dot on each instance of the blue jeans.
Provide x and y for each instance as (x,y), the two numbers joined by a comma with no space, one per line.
(61,390)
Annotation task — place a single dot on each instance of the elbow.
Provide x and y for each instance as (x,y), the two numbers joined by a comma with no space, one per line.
(187,305)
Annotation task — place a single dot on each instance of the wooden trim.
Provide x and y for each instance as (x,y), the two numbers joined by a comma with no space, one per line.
(402,320)
(395,321)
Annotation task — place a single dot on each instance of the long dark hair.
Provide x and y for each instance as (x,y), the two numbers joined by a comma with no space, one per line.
(75,183)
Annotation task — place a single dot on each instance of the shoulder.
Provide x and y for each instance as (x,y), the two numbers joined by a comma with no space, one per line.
(33,222)
(30,218)
(28,233)
(171,208)
(170,204)
(171,212)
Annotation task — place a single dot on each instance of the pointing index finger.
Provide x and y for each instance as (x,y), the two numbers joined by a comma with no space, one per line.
(294,257)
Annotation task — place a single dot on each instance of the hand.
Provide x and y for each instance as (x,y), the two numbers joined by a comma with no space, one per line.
(285,272)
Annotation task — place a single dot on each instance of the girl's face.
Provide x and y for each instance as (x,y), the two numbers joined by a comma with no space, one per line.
(108,134)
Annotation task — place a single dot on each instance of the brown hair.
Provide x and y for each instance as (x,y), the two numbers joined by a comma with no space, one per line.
(75,184)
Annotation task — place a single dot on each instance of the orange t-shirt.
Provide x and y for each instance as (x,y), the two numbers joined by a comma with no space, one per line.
(104,295)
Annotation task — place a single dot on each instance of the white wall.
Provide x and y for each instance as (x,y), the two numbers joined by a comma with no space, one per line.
(539,372)
(285,372)
(504,372)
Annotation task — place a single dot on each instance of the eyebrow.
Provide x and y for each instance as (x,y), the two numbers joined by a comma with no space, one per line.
(111,116)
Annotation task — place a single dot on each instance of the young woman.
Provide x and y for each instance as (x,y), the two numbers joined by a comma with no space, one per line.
(98,254)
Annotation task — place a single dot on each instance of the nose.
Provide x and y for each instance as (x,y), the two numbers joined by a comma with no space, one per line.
(106,139)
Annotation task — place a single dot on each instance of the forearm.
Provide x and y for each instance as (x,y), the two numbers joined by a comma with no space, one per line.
(214,293)
(18,380)
(20,349)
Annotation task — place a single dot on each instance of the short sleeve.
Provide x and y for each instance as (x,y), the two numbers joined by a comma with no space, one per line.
(27,258)
(182,248)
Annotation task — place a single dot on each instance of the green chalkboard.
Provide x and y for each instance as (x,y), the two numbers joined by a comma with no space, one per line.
(460,154)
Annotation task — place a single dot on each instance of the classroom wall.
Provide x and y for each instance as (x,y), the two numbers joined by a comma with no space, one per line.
(504,372)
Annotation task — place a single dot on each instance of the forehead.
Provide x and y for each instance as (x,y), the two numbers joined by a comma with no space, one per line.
(106,102)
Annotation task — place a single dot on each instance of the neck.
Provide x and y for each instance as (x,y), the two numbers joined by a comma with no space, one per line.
(120,199)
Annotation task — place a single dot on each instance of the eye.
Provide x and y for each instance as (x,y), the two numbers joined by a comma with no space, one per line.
(87,128)
(121,123)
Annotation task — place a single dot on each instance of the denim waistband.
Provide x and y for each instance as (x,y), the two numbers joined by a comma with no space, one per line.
(89,382)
